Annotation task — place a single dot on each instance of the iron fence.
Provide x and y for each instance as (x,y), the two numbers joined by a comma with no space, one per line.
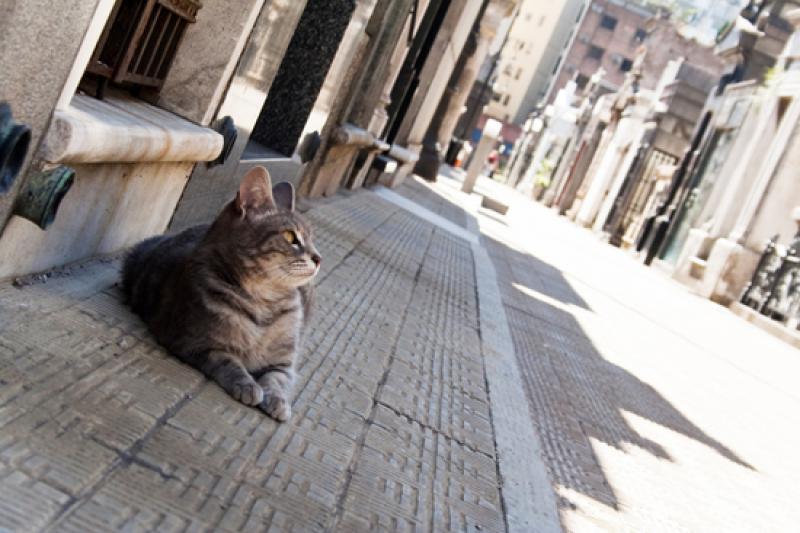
(774,289)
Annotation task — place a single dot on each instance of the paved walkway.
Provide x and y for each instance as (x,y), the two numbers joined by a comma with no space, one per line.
(657,410)
(647,409)
(392,426)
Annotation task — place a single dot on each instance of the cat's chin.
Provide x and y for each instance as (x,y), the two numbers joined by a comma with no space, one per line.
(299,277)
(305,277)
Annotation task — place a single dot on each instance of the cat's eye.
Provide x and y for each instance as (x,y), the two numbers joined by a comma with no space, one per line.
(290,237)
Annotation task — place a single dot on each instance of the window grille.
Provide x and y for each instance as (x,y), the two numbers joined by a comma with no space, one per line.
(140,41)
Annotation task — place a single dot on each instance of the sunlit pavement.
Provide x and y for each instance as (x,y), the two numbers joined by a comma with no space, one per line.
(657,410)
(649,409)
(392,426)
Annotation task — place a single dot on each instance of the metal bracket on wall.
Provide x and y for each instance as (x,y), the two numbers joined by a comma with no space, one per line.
(227,129)
(42,193)
(15,139)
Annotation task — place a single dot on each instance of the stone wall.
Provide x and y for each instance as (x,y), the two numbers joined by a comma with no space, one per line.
(109,207)
(783,196)
(209,188)
(38,45)
(663,43)
(208,54)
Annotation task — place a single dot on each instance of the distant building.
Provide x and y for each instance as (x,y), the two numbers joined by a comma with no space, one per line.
(701,20)
(540,33)
(609,36)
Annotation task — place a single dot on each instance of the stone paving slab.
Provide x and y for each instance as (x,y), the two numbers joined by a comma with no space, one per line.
(656,410)
(528,500)
(100,430)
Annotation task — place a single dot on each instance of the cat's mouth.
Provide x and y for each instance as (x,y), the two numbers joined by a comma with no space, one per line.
(303,268)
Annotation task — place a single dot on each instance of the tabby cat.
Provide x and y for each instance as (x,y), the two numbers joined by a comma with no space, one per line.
(231,298)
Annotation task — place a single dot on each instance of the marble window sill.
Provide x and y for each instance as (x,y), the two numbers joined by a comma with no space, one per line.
(121,130)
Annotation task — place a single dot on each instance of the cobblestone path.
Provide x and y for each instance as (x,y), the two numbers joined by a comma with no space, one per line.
(392,426)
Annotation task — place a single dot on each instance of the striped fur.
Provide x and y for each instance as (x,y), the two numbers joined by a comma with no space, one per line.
(231,298)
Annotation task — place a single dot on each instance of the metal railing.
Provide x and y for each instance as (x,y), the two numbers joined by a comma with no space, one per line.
(774,289)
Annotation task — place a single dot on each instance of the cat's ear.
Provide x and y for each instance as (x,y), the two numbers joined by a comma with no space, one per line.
(255,191)
(283,195)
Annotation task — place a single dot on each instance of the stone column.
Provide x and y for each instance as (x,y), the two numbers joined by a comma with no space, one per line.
(601,181)
(496,12)
(617,179)
(522,160)
(463,86)
(560,173)
(431,155)
(301,74)
(638,130)
(611,175)
(543,145)
(358,105)
(592,164)
(434,76)
(491,131)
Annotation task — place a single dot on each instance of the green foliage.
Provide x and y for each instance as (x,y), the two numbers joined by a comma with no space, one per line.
(544,173)
(770,75)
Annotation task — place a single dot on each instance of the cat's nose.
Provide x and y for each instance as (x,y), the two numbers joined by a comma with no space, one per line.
(316,258)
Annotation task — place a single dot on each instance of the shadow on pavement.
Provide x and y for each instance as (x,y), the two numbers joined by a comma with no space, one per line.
(575,394)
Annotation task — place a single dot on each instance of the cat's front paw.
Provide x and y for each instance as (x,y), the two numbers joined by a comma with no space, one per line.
(248,393)
(276,407)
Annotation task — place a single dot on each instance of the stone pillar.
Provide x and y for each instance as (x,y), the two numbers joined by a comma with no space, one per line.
(491,131)
(616,160)
(617,179)
(434,76)
(522,159)
(431,155)
(593,163)
(543,146)
(560,173)
(358,106)
(600,183)
(463,78)
(367,106)
(637,128)
(301,74)
(463,87)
